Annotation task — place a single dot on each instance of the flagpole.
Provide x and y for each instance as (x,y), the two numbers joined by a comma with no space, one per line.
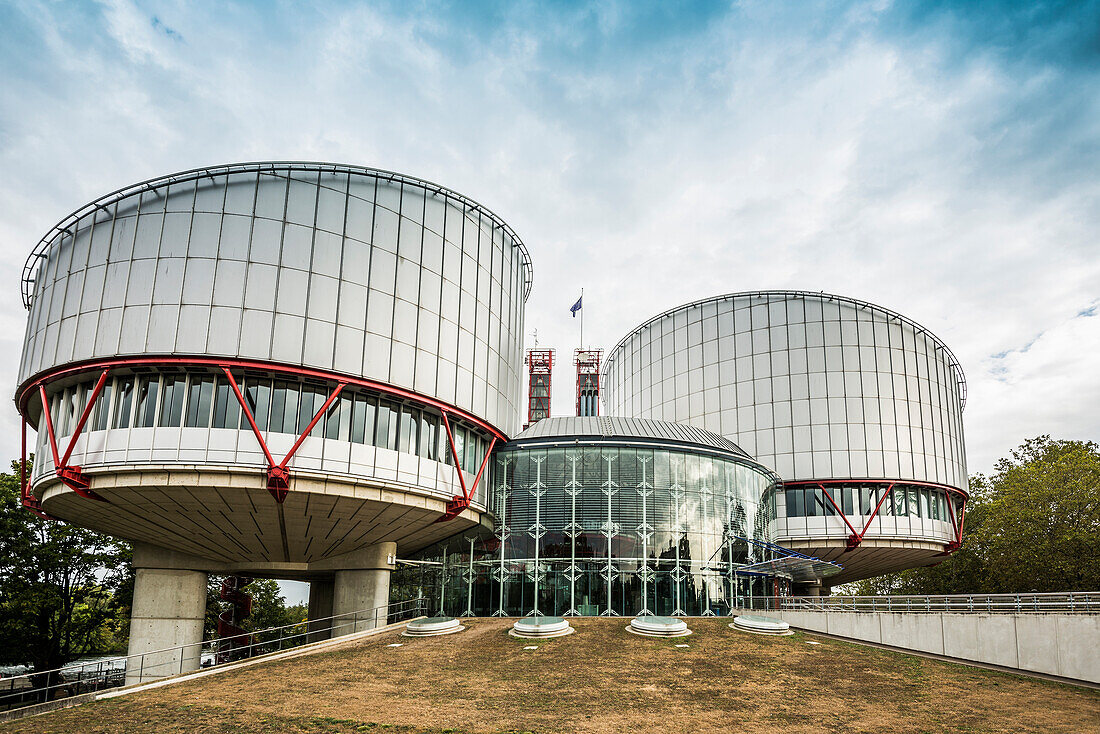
(582,318)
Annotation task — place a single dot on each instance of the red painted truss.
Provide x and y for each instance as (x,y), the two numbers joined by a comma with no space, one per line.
(856,536)
(277,473)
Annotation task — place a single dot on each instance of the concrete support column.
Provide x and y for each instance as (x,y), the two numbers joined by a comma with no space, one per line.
(168,612)
(808,589)
(361,589)
(320,607)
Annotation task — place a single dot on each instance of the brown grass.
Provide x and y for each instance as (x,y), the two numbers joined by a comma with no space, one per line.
(600,679)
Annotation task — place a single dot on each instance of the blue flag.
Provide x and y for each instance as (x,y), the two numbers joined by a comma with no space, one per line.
(576,307)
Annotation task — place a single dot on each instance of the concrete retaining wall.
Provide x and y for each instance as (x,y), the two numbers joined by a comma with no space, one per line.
(1064,645)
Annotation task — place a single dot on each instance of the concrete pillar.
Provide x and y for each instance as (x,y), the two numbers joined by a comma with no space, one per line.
(168,611)
(361,589)
(320,608)
(813,588)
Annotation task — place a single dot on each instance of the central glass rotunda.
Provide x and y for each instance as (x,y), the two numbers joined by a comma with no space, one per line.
(614,516)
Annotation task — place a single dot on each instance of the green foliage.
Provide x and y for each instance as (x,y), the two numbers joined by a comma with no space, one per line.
(269,607)
(1034,526)
(64,591)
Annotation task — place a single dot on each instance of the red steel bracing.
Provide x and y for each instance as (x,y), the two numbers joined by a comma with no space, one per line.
(246,364)
(958,526)
(72,476)
(278,476)
(458,504)
(28,500)
(857,536)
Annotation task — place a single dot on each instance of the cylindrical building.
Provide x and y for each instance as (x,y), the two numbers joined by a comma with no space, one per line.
(616,516)
(338,337)
(857,408)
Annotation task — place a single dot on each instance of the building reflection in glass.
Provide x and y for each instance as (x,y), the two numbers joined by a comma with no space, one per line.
(606,527)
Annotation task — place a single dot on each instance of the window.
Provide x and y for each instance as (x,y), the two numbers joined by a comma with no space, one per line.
(146,402)
(70,408)
(338,420)
(124,399)
(362,419)
(171,401)
(428,441)
(284,407)
(848,500)
(406,440)
(227,410)
(385,432)
(200,398)
(898,509)
(102,408)
(257,393)
(313,399)
(795,505)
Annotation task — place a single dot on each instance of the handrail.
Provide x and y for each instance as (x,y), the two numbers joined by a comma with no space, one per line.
(112,672)
(1069,602)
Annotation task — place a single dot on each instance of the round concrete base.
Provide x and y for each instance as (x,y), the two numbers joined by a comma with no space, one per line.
(658,627)
(539,627)
(432,626)
(761,625)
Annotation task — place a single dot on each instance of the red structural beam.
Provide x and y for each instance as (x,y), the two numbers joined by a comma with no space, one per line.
(218,364)
(71,476)
(278,476)
(857,537)
(458,504)
(28,500)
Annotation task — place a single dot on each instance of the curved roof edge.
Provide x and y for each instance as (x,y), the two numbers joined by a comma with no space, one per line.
(66,224)
(613,427)
(960,377)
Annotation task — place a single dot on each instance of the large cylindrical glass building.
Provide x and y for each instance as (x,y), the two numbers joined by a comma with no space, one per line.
(277,369)
(856,407)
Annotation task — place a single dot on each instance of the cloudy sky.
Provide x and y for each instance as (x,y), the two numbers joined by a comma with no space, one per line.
(940,162)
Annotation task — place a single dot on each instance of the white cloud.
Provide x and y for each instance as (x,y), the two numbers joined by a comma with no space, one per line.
(762,149)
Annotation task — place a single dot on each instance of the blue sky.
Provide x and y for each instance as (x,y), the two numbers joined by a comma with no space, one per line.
(939,159)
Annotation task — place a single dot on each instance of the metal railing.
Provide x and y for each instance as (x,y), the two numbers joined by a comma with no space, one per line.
(25,689)
(1072,602)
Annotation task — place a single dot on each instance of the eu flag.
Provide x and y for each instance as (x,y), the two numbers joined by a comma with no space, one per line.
(576,307)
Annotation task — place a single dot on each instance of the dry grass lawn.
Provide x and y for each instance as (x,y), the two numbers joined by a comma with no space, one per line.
(600,679)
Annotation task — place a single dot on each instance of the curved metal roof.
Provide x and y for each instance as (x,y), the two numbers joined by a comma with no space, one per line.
(953,361)
(628,428)
(68,224)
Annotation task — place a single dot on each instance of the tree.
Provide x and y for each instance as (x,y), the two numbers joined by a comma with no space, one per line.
(269,608)
(62,588)
(1034,526)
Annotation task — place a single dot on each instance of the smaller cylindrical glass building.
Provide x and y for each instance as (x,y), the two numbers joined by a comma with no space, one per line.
(610,516)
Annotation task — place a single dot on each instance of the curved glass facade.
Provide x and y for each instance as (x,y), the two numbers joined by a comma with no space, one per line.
(608,528)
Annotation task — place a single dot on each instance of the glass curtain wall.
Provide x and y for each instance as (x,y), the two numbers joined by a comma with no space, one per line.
(607,530)
(283,406)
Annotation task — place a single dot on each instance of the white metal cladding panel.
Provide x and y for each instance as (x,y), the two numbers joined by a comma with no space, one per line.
(812,387)
(352,273)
